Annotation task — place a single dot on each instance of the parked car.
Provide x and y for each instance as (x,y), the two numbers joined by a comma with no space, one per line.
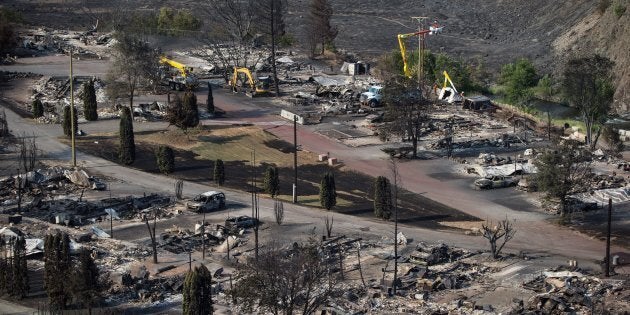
(208,201)
(240,222)
(496,181)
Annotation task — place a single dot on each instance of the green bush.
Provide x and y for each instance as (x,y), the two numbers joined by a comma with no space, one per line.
(619,9)
(89,101)
(176,22)
(519,78)
(383,203)
(271,181)
(165,158)
(328,191)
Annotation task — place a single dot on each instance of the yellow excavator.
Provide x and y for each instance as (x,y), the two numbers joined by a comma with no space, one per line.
(183,78)
(243,80)
(449,94)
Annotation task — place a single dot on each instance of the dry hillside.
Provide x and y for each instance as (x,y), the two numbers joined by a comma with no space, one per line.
(498,31)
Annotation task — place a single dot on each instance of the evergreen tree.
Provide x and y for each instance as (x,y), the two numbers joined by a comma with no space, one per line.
(4,279)
(19,269)
(271,181)
(38,108)
(191,111)
(327,191)
(382,198)
(67,128)
(165,159)
(210,100)
(219,172)
(85,281)
(57,269)
(89,101)
(197,292)
(127,153)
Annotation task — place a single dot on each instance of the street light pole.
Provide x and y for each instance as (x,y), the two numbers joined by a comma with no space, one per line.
(72,126)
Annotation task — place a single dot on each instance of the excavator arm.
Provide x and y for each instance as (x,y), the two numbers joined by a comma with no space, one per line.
(447,79)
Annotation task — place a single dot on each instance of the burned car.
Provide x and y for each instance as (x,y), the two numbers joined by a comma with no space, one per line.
(495,181)
(241,222)
(208,201)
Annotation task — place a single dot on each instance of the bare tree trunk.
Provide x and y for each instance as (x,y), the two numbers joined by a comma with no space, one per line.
(152,236)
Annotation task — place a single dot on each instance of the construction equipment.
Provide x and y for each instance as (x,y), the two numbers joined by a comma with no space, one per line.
(434,29)
(242,78)
(449,94)
(183,78)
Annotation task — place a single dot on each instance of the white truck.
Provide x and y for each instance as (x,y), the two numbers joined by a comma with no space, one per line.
(372,97)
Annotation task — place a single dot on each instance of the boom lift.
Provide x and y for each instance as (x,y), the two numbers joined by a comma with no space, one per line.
(183,79)
(242,78)
(449,94)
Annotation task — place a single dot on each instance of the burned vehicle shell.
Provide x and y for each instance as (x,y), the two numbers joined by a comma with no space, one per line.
(208,201)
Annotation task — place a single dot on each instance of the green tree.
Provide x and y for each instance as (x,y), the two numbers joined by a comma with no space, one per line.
(38,108)
(459,72)
(57,267)
(197,292)
(191,110)
(544,88)
(89,101)
(127,149)
(562,171)
(519,78)
(184,113)
(327,191)
(219,172)
(86,283)
(383,203)
(210,100)
(272,181)
(19,269)
(65,124)
(588,87)
(165,159)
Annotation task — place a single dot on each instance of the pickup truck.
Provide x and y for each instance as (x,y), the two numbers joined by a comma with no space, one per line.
(495,181)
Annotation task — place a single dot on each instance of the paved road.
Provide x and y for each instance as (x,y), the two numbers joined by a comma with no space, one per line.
(535,234)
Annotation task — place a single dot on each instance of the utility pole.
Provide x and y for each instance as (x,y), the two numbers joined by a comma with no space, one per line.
(395,174)
(421,48)
(608,237)
(255,213)
(72,127)
(295,177)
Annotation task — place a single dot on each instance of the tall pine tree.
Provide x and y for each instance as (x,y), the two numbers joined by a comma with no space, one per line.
(197,292)
(271,181)
(327,191)
(127,150)
(89,101)
(38,108)
(210,101)
(219,172)
(19,269)
(86,281)
(65,124)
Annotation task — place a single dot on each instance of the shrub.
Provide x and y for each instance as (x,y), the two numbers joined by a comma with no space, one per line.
(382,198)
(619,9)
(89,101)
(602,6)
(165,158)
(327,191)
(38,108)
(67,128)
(271,181)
